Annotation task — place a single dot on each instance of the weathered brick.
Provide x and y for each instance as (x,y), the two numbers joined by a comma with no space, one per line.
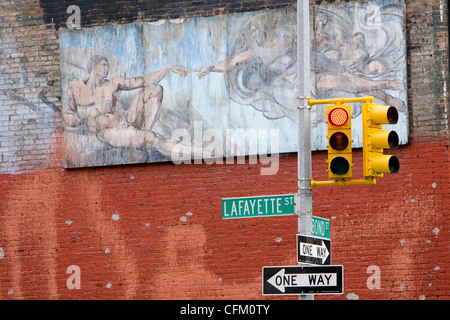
(169,216)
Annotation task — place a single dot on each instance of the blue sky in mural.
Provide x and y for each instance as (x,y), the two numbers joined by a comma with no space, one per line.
(124,42)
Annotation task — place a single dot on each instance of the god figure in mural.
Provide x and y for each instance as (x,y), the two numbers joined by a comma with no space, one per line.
(260,69)
(93,101)
(343,63)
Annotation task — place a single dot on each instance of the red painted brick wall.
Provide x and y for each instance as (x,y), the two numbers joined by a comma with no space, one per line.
(155,231)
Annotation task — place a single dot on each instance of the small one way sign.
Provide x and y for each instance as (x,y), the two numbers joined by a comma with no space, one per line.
(303,280)
(313,250)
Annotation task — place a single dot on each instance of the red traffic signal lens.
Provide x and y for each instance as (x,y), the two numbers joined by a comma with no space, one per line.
(339,141)
(338,117)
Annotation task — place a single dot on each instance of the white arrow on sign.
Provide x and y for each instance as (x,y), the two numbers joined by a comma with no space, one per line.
(314,250)
(281,280)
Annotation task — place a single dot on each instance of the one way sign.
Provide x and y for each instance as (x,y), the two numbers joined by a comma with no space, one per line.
(303,280)
(313,250)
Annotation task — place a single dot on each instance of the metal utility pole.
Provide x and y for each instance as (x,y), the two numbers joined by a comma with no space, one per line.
(304,200)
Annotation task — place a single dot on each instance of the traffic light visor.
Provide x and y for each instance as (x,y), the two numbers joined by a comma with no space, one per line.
(385,139)
(393,140)
(384,114)
(338,117)
(386,164)
(392,115)
(394,164)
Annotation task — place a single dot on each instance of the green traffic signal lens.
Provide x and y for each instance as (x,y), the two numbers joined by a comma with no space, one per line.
(339,166)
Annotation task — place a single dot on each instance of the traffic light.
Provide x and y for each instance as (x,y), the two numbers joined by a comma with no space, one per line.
(375,140)
(339,141)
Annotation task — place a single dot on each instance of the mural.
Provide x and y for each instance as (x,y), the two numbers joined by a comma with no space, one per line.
(145,92)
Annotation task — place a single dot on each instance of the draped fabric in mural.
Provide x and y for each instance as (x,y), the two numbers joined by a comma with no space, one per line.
(143,92)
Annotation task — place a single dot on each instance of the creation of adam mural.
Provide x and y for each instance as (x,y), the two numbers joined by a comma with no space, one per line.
(146,92)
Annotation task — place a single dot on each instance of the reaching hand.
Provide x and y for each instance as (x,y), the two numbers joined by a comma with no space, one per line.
(182,71)
(202,72)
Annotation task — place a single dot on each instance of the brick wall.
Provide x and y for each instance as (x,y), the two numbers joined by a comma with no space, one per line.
(155,231)
(29,88)
(427,51)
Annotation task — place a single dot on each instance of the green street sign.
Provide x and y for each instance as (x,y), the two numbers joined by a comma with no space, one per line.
(264,206)
(321,227)
(269,206)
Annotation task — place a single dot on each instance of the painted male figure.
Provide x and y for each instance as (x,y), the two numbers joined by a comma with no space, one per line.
(94,100)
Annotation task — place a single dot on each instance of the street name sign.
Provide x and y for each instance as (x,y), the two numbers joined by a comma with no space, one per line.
(321,227)
(313,250)
(263,206)
(303,280)
(269,206)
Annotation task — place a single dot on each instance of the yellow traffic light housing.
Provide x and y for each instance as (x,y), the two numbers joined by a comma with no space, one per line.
(375,140)
(339,141)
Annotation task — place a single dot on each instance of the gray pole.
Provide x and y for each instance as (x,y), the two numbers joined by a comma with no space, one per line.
(304,207)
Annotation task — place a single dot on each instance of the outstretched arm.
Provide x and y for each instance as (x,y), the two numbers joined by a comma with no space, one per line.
(153,78)
(226,65)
